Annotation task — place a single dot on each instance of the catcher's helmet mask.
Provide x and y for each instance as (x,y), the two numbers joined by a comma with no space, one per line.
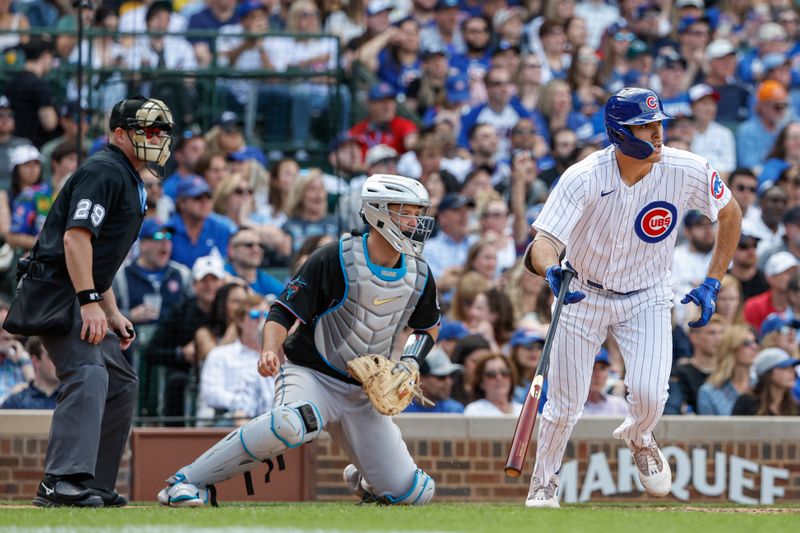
(383,190)
(142,119)
(632,106)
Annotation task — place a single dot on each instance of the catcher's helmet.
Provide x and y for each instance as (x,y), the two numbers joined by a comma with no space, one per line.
(382,190)
(629,107)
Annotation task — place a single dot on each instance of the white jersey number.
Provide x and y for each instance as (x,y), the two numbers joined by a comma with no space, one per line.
(98,212)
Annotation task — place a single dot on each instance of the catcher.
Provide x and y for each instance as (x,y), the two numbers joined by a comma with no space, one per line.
(351,299)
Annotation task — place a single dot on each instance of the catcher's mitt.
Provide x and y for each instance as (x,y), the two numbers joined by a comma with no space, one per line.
(389,385)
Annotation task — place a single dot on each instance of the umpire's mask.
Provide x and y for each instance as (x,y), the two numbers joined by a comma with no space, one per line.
(146,118)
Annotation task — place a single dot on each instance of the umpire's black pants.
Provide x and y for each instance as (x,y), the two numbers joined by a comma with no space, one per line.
(92,420)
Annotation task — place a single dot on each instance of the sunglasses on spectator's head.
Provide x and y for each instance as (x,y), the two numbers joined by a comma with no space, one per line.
(162,236)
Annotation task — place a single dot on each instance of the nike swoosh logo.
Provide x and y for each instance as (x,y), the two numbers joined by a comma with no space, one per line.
(47,489)
(379,301)
(607,193)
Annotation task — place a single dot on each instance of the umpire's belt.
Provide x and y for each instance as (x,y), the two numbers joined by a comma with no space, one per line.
(600,286)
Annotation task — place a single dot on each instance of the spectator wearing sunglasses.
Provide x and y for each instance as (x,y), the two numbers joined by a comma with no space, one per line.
(731,376)
(149,286)
(228,365)
(744,185)
(745,264)
(245,255)
(493,388)
(779,331)
(756,136)
(436,381)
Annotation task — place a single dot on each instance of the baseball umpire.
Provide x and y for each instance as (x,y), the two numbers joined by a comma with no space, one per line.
(87,235)
(351,298)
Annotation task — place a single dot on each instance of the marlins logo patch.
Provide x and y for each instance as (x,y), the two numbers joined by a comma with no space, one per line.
(656,221)
(651,102)
(717,187)
(294,287)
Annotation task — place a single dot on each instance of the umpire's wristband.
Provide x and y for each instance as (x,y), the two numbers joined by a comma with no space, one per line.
(89,296)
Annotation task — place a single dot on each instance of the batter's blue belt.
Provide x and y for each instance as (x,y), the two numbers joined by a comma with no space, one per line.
(600,286)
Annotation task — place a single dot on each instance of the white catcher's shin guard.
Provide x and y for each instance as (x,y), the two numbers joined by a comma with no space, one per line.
(286,426)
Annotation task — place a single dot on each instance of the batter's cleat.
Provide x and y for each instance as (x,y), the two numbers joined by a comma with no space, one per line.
(654,471)
(59,492)
(543,496)
(178,493)
(111,498)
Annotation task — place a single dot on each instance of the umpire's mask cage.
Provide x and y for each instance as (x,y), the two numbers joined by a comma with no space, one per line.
(153,119)
(406,233)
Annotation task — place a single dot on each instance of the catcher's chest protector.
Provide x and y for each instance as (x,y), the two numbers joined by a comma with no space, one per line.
(376,305)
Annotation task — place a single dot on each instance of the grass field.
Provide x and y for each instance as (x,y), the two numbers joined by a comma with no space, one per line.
(309,517)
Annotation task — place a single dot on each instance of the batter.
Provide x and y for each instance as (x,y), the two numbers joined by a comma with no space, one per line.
(614,216)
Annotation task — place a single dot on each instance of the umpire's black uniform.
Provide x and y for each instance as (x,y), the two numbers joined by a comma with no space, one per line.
(92,419)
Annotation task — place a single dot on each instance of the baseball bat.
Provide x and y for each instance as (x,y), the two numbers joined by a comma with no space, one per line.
(527,417)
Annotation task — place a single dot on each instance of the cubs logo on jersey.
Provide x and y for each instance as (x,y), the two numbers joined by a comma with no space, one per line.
(717,187)
(656,221)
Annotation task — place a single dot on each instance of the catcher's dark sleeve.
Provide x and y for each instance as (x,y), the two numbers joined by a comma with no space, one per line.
(426,314)
(314,288)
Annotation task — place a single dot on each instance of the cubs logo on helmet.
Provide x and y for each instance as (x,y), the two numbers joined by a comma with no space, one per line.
(655,222)
(632,106)
(717,187)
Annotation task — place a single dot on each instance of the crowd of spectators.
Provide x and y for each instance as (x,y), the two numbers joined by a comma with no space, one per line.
(503,95)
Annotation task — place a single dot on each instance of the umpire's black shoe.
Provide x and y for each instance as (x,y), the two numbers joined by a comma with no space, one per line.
(59,492)
(111,498)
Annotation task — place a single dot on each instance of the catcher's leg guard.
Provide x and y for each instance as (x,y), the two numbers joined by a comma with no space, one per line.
(420,493)
(286,426)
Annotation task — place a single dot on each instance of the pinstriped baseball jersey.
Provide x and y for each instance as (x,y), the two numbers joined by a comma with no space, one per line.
(623,237)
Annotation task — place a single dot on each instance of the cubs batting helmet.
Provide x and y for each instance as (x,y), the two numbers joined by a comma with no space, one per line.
(630,107)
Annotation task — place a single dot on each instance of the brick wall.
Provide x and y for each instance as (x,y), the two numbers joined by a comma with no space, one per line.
(745,460)
(23,444)
(22,467)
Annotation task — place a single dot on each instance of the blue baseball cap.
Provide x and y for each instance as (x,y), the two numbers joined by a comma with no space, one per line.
(452,330)
(446,4)
(457,89)
(602,357)
(524,337)
(248,6)
(381,91)
(453,200)
(153,229)
(246,153)
(775,322)
(192,187)
(693,217)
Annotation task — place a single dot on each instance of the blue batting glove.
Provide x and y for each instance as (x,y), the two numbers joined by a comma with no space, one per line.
(553,277)
(704,296)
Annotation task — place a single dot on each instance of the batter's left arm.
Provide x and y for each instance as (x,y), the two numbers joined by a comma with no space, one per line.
(705,295)
(729,226)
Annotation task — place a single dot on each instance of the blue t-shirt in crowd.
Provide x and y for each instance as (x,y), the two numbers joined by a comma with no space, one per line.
(397,75)
(205,20)
(215,235)
(445,406)
(31,398)
(264,283)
